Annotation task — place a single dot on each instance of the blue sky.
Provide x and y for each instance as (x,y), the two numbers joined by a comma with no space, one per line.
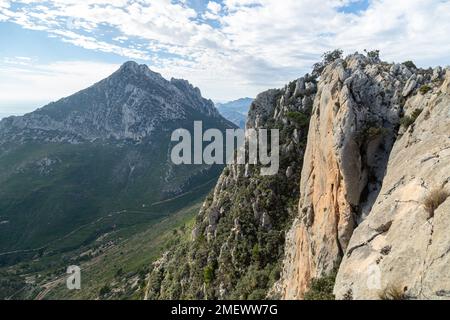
(229,49)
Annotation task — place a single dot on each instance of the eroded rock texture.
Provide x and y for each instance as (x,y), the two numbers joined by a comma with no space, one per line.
(353,128)
(401,245)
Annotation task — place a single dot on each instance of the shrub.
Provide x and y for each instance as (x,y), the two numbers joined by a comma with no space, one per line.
(374,54)
(322,288)
(369,133)
(331,56)
(327,58)
(416,113)
(393,293)
(406,121)
(434,199)
(424,89)
(208,274)
(104,290)
(119,273)
(258,294)
(409,64)
(256,253)
(375,132)
(299,118)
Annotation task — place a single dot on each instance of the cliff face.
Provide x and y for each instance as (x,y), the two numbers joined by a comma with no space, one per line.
(353,127)
(404,243)
(238,238)
(363,190)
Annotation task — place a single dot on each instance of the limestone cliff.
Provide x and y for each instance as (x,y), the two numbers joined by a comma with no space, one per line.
(237,241)
(352,130)
(403,246)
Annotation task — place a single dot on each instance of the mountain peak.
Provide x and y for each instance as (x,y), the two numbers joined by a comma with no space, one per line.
(132,103)
(132,67)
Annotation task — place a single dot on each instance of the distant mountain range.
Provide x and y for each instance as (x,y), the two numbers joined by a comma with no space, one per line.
(235,111)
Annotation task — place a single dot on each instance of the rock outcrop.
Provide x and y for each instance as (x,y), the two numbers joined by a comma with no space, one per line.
(238,239)
(353,128)
(404,244)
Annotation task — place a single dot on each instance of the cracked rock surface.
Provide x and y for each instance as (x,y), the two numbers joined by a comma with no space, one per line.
(352,130)
(413,254)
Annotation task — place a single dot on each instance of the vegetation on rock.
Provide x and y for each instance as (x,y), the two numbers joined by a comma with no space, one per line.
(434,199)
(238,239)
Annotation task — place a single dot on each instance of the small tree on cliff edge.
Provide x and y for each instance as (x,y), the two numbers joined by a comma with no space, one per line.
(327,58)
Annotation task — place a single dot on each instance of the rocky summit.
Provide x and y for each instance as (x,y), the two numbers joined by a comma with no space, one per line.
(404,241)
(360,173)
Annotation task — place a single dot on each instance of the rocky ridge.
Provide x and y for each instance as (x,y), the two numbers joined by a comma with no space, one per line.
(375,152)
(237,241)
(103,150)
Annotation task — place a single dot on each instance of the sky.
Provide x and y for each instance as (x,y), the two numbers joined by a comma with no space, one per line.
(228,48)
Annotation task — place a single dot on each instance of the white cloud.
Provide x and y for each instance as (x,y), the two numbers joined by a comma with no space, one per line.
(26,83)
(214,7)
(243,46)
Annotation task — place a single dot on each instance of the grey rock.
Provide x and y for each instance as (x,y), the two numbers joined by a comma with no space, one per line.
(395,69)
(310,87)
(300,88)
(419,258)
(437,73)
(340,163)
(289,172)
(410,86)
(132,103)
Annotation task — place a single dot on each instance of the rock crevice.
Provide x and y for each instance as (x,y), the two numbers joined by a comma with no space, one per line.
(418,168)
(354,125)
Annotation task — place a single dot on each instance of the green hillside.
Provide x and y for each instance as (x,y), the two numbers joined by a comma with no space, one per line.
(114,265)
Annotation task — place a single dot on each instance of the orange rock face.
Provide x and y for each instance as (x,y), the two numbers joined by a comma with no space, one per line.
(351,133)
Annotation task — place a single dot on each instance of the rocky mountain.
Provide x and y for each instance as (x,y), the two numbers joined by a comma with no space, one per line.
(235,111)
(132,103)
(77,168)
(361,196)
